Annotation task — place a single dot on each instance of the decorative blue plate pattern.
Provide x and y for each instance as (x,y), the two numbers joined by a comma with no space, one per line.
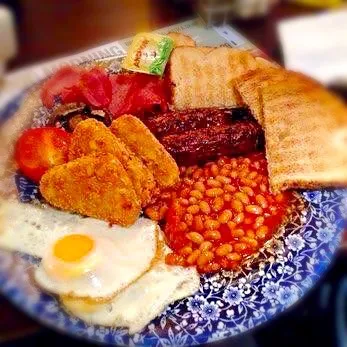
(226,304)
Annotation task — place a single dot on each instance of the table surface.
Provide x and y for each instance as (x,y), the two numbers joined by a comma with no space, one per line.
(48,29)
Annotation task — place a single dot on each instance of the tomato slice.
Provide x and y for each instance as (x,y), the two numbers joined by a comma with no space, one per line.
(39,149)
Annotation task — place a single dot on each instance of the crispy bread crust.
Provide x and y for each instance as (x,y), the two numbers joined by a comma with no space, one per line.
(181,39)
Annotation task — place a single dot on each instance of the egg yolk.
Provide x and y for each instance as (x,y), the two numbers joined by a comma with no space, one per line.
(73,248)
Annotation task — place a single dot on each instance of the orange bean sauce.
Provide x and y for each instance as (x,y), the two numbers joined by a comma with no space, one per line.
(220,213)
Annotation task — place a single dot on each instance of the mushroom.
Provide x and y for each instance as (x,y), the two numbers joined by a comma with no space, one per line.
(69,115)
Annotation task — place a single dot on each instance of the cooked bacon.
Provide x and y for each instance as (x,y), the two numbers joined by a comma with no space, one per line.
(60,85)
(73,84)
(96,87)
(137,93)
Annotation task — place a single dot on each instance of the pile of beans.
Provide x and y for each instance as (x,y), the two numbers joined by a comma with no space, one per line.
(220,213)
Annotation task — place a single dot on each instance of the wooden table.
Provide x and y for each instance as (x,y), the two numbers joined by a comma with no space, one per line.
(50,28)
(47,29)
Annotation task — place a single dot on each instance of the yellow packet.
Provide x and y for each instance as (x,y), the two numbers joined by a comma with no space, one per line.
(319,3)
(148,53)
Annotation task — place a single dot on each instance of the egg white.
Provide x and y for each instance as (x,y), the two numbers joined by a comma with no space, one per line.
(29,228)
(142,301)
(125,256)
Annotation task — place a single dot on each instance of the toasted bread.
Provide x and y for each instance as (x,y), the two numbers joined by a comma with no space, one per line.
(93,137)
(97,187)
(306,130)
(143,143)
(264,63)
(181,39)
(204,76)
(249,85)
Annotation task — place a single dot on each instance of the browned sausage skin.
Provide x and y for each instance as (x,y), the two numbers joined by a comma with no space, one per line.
(198,135)
(177,122)
(192,147)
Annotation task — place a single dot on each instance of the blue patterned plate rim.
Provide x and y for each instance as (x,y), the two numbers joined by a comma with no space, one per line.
(225,306)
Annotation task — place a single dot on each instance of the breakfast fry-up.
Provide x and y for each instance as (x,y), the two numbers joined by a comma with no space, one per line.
(140,181)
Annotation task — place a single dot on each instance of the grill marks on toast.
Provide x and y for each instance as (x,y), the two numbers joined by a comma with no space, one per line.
(305,127)
(249,86)
(204,76)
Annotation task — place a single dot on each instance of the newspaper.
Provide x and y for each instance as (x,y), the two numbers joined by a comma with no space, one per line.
(16,81)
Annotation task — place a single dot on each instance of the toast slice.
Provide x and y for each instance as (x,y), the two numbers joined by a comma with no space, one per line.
(204,76)
(249,85)
(181,39)
(265,63)
(143,143)
(306,135)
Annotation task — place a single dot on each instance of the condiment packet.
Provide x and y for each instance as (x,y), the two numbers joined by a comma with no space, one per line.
(148,53)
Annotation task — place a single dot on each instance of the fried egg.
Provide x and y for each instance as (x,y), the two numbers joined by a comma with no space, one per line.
(104,275)
(82,257)
(142,301)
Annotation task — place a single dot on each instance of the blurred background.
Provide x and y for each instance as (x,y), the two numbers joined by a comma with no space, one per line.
(307,35)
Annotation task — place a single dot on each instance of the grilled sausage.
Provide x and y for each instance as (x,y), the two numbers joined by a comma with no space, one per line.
(194,146)
(175,122)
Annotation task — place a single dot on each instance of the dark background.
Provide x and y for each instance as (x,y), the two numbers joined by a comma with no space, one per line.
(51,28)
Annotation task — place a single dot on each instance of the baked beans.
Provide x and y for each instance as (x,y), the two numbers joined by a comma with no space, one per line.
(220,213)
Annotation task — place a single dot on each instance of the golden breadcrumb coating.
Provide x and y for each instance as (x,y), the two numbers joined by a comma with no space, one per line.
(143,143)
(95,186)
(91,136)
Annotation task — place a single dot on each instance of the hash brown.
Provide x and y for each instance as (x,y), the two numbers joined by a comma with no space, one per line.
(95,186)
(91,136)
(143,143)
